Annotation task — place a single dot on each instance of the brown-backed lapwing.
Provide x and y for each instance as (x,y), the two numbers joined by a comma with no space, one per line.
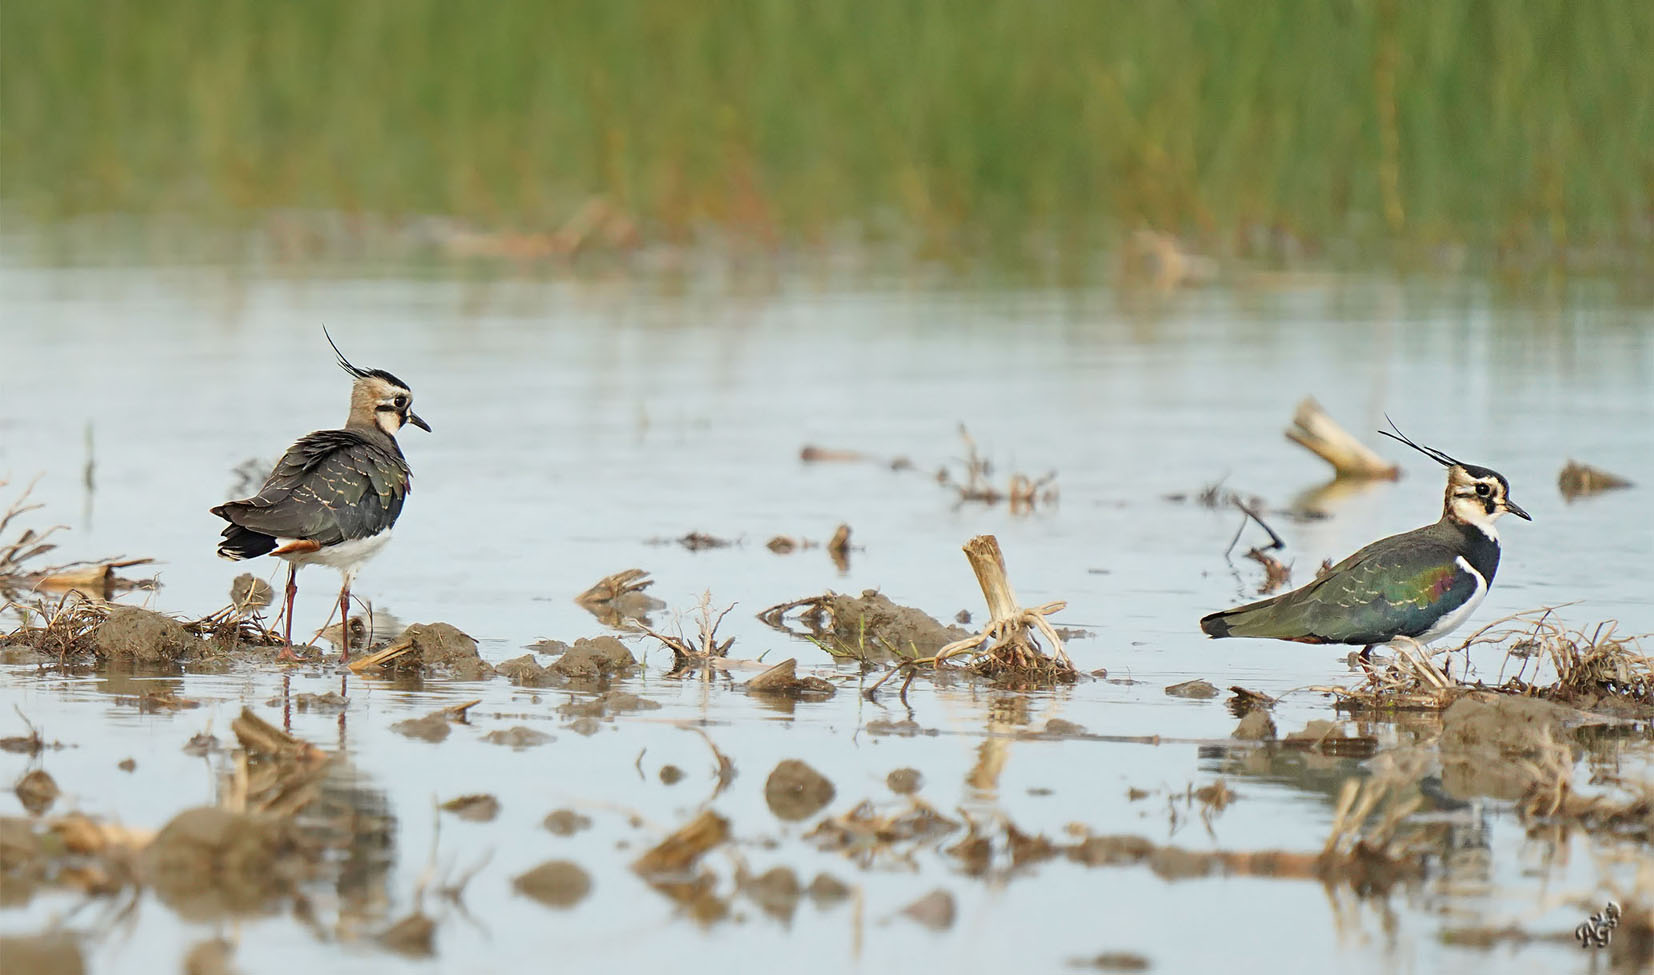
(334,495)
(1418,585)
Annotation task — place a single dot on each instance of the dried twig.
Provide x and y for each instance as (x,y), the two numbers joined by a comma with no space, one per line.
(1318,433)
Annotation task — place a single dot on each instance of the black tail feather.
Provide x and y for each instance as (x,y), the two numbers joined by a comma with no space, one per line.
(244,543)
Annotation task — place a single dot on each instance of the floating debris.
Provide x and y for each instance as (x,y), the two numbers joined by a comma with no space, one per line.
(478,808)
(698,653)
(1318,433)
(1581,481)
(1200,690)
(680,851)
(783,680)
(565,822)
(36,790)
(619,597)
(1023,493)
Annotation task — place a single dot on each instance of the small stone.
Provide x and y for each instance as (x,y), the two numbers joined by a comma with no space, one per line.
(670,775)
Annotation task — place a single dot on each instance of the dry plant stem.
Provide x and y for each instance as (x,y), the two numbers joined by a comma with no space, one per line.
(1318,433)
(1008,632)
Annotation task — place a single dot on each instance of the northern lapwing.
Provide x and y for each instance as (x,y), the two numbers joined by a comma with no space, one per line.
(1419,585)
(334,495)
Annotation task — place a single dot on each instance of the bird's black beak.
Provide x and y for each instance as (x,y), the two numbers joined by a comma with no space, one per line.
(421,424)
(1510,506)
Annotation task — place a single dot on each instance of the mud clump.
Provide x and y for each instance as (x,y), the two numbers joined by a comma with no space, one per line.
(782,680)
(602,656)
(935,910)
(826,890)
(904,781)
(1482,732)
(36,790)
(432,727)
(412,937)
(1257,725)
(210,957)
(866,627)
(1198,690)
(555,883)
(526,672)
(607,704)
(795,791)
(143,637)
(209,863)
(565,822)
(517,737)
(442,649)
(42,954)
(776,891)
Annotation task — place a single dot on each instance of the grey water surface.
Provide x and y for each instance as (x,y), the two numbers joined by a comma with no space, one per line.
(580,423)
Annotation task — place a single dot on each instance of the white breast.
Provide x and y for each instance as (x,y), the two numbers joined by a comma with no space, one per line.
(1452,621)
(347,556)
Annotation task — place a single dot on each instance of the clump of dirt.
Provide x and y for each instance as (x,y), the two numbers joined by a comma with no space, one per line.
(55,953)
(412,937)
(565,822)
(443,649)
(1257,725)
(826,890)
(795,791)
(776,892)
(782,680)
(36,790)
(526,672)
(592,662)
(1332,738)
(1197,689)
(869,627)
(935,910)
(1483,732)
(143,637)
(607,704)
(904,781)
(432,727)
(1578,480)
(555,883)
(209,863)
(209,957)
(517,737)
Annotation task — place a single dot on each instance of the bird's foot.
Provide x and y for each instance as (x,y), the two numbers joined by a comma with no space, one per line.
(287,656)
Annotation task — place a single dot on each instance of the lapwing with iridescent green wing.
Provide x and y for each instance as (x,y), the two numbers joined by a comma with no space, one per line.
(1418,585)
(334,496)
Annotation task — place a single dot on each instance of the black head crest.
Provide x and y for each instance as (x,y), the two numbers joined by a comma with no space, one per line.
(1430,452)
(358,371)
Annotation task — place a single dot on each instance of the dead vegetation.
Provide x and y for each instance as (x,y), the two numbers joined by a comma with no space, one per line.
(21,552)
(1581,481)
(619,600)
(702,652)
(1318,433)
(1594,669)
(1009,645)
(975,484)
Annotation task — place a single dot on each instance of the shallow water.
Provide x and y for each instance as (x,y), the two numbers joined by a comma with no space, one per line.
(578,423)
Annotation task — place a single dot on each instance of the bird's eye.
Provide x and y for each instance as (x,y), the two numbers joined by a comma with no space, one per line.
(1484,490)
(401,402)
